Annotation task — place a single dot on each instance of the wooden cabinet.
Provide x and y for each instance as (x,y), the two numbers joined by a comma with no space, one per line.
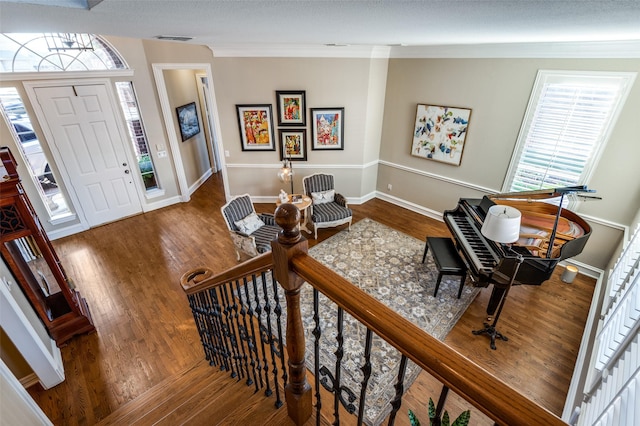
(28,253)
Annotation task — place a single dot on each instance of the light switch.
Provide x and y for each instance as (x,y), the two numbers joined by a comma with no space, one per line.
(162,154)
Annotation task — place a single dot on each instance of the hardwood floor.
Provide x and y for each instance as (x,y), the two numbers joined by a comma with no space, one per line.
(129,272)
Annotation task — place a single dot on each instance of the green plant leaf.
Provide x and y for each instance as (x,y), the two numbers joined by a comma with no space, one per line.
(463,419)
(413,419)
(432,409)
(445,419)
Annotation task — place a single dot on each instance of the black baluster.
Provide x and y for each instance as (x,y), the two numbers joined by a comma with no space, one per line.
(244,336)
(272,345)
(230,330)
(196,310)
(317,333)
(255,358)
(278,311)
(218,323)
(263,337)
(213,339)
(397,399)
(366,372)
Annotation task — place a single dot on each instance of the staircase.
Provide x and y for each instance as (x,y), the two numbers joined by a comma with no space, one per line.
(201,395)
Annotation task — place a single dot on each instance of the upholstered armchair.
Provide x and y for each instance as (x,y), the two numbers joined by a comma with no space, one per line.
(328,209)
(251,233)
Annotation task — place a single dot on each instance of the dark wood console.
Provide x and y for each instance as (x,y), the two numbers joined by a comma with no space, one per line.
(35,266)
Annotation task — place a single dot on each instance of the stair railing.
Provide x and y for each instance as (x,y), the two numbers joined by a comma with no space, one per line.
(291,267)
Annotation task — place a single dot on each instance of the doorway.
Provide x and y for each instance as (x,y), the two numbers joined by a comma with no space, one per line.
(89,148)
(167,111)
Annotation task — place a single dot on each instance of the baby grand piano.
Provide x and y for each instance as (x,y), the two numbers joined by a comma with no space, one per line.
(548,234)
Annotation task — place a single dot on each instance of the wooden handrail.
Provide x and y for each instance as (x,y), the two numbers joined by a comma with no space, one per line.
(200,279)
(492,396)
(292,267)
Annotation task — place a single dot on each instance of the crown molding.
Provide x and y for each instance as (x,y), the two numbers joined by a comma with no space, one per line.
(625,49)
(301,51)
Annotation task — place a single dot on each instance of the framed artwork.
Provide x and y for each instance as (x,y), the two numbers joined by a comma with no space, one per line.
(293,144)
(440,132)
(291,108)
(327,128)
(256,127)
(188,120)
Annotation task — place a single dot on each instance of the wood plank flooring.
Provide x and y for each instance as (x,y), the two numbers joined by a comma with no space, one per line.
(129,273)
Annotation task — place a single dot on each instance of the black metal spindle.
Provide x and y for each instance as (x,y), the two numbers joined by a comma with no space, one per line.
(199,318)
(366,372)
(230,329)
(263,336)
(255,358)
(272,344)
(278,311)
(397,399)
(220,330)
(317,333)
(244,335)
(210,323)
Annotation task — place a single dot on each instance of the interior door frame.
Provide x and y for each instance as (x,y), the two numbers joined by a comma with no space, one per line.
(168,114)
(203,95)
(30,87)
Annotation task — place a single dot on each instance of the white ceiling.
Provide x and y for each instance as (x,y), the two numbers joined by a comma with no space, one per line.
(391,27)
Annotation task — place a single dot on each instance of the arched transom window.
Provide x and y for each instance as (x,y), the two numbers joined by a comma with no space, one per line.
(47,52)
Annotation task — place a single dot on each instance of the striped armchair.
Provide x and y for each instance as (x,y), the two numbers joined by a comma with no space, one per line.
(328,209)
(251,233)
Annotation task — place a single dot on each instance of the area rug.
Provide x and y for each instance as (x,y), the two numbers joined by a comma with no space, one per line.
(386,264)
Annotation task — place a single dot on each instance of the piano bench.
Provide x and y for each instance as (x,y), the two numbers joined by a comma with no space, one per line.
(447,260)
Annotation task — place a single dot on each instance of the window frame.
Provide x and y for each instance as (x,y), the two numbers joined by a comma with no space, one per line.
(543,78)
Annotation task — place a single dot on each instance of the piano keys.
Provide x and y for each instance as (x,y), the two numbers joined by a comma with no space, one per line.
(549,234)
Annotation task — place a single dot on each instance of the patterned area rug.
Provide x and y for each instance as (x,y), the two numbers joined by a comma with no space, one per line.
(386,264)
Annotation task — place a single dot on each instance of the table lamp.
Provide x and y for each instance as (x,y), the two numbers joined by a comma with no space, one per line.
(285,174)
(502,225)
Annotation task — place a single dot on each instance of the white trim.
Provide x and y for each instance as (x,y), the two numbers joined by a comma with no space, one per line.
(167,114)
(32,76)
(12,389)
(198,183)
(584,353)
(301,165)
(576,49)
(439,177)
(31,86)
(544,77)
(67,231)
(161,204)
(302,51)
(45,362)
(594,49)
(410,206)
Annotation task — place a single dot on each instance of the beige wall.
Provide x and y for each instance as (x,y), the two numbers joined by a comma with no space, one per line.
(497,91)
(181,90)
(355,84)
(380,98)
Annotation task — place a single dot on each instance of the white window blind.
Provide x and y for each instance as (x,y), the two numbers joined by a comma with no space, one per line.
(567,123)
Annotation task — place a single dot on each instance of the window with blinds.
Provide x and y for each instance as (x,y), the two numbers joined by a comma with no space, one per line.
(566,126)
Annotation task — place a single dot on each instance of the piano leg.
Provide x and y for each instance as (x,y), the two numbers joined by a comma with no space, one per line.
(490,329)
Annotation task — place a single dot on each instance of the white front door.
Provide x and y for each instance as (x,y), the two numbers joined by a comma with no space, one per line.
(91,148)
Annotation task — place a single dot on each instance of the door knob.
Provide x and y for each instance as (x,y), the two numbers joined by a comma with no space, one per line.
(124,164)
(127,171)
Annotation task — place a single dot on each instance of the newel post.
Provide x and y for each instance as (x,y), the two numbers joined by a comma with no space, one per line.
(289,243)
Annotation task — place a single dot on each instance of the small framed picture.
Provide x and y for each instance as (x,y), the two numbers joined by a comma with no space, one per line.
(327,128)
(188,120)
(291,107)
(256,127)
(293,144)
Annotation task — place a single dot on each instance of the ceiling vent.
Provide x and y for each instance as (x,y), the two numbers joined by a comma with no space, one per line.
(174,38)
